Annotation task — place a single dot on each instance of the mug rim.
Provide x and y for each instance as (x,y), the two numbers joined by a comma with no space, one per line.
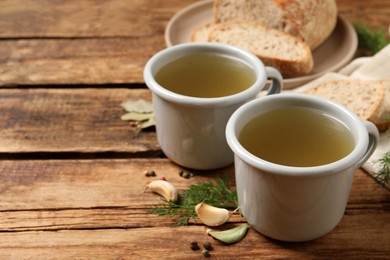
(180,50)
(232,131)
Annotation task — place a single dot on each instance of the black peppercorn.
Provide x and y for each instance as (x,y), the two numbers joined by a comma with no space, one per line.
(150,173)
(186,174)
(194,246)
(208,246)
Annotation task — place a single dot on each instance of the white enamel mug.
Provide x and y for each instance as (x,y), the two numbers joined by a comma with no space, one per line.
(296,203)
(191,130)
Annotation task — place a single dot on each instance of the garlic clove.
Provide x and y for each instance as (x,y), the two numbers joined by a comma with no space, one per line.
(230,236)
(164,188)
(210,215)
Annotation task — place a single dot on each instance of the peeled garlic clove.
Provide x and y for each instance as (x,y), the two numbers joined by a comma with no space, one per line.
(230,236)
(210,215)
(163,188)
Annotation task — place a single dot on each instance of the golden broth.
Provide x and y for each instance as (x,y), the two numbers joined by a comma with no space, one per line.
(206,76)
(297,137)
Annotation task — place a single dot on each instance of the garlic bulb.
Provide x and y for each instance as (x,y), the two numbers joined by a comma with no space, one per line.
(210,215)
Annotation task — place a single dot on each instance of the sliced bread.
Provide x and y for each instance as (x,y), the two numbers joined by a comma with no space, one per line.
(201,33)
(311,20)
(383,123)
(364,97)
(290,55)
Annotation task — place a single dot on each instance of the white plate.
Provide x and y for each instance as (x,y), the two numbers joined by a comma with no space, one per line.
(331,55)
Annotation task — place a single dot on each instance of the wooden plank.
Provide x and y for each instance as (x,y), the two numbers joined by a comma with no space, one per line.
(62,194)
(354,237)
(76,61)
(69,184)
(73,42)
(115,18)
(21,19)
(373,13)
(92,218)
(70,120)
(98,209)
(68,42)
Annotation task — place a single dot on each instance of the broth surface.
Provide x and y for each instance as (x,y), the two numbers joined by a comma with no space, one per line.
(206,76)
(297,137)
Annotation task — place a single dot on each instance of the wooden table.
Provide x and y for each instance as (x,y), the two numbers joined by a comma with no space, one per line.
(72,173)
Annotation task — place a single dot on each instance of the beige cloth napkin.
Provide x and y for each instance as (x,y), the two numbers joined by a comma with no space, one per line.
(369,68)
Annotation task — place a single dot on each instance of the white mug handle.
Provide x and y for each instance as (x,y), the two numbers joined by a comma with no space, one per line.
(277,80)
(373,139)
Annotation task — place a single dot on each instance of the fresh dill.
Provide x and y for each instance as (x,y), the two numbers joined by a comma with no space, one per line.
(383,175)
(371,39)
(216,193)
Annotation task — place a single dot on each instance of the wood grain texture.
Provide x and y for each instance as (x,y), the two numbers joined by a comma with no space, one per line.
(120,184)
(374,13)
(174,243)
(98,209)
(72,173)
(100,42)
(71,61)
(70,120)
(128,18)
(87,42)
(91,19)
(63,184)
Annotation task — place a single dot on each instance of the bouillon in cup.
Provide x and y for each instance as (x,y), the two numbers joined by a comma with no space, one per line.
(195,89)
(295,156)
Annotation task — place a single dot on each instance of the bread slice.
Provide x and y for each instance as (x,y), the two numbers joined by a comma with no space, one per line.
(364,97)
(311,20)
(201,33)
(383,123)
(266,12)
(315,20)
(290,55)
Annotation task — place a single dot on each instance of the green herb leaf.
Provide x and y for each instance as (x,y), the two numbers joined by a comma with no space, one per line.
(373,40)
(383,176)
(215,193)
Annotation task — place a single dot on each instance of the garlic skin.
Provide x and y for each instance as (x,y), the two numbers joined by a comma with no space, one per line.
(163,188)
(210,215)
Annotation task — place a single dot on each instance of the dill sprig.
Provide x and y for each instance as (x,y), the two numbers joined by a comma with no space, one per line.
(216,193)
(371,39)
(383,175)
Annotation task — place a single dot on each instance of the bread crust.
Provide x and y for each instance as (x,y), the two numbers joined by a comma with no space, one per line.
(200,34)
(311,20)
(383,123)
(364,97)
(249,36)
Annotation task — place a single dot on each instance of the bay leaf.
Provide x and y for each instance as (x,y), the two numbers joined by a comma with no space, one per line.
(135,116)
(149,123)
(230,236)
(139,106)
